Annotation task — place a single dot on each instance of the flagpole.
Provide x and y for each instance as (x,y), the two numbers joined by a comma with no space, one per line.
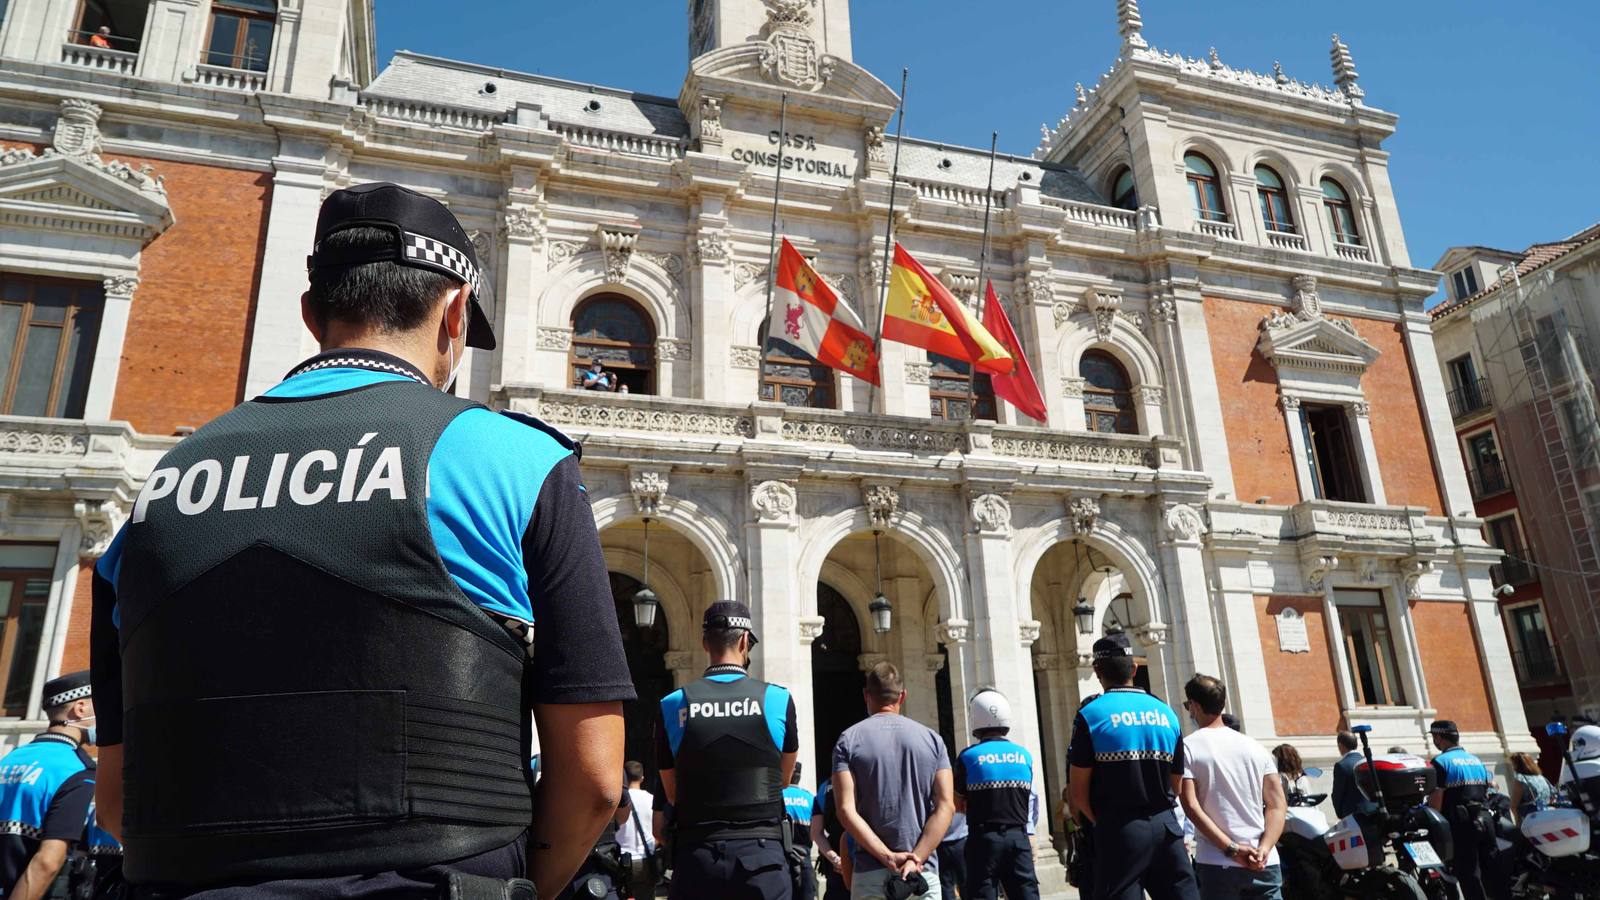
(983,271)
(888,240)
(772,248)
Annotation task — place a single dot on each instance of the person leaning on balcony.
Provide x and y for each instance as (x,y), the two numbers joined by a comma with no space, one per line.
(101,38)
(319,681)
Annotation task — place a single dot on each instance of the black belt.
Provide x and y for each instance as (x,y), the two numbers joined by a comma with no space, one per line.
(699,834)
(994,826)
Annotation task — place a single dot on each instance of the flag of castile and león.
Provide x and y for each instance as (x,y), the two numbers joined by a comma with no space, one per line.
(810,316)
(923,313)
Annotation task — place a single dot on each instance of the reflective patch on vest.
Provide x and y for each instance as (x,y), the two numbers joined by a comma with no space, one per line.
(720,709)
(1462,769)
(21,828)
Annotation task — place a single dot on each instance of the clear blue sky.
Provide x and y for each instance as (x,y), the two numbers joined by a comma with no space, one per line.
(1499,103)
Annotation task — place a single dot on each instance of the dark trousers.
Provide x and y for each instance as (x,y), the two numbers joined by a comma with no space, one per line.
(833,884)
(741,869)
(952,867)
(642,879)
(808,875)
(1474,864)
(1135,856)
(589,879)
(996,858)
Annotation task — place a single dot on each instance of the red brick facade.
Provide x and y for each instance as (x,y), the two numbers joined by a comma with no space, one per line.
(1451,664)
(1304,698)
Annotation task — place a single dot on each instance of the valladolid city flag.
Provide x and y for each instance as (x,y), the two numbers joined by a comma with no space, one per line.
(810,316)
(923,313)
(1018,388)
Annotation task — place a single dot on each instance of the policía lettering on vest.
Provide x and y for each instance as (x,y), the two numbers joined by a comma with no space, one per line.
(20,774)
(1141,717)
(995,759)
(718,709)
(315,477)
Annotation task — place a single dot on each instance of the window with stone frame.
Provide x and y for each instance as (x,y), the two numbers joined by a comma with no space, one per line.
(48,331)
(1124,191)
(1274,196)
(25,571)
(1205,188)
(1369,648)
(240,35)
(122,19)
(951,393)
(793,377)
(1107,394)
(1330,446)
(1531,648)
(1341,214)
(616,332)
(1464,283)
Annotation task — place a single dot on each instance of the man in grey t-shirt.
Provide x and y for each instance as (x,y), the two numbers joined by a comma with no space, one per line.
(893,788)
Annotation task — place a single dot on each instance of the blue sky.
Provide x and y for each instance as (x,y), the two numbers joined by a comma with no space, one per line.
(1499,103)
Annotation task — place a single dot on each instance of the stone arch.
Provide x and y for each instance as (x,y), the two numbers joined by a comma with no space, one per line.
(1347,178)
(1129,346)
(749,309)
(856,592)
(675,603)
(1104,178)
(701,526)
(1110,539)
(910,528)
(648,284)
(1211,150)
(1277,162)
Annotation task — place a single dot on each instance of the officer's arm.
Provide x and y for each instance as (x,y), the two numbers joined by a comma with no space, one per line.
(581,749)
(1435,799)
(108,791)
(41,871)
(105,672)
(1078,788)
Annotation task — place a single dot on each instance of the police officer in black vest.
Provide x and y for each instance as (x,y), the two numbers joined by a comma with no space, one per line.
(314,642)
(726,746)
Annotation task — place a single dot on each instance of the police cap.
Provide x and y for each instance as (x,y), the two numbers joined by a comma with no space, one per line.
(424,234)
(67,688)
(729,614)
(1113,645)
(1444,727)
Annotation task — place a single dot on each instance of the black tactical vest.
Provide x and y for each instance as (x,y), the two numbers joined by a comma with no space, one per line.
(307,692)
(729,771)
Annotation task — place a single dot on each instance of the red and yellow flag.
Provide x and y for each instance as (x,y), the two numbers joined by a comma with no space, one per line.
(809,316)
(923,313)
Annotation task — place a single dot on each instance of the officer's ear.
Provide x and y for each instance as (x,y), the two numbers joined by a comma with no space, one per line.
(455,311)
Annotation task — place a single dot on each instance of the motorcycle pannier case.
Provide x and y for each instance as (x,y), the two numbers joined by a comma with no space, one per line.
(1557,832)
(1348,846)
(1406,780)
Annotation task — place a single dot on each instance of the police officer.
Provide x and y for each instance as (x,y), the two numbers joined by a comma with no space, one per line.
(1126,761)
(95,871)
(46,786)
(602,870)
(314,640)
(827,833)
(726,746)
(993,782)
(1461,797)
(799,803)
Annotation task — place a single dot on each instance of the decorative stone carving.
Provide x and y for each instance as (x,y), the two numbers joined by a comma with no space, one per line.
(1361,408)
(745,273)
(523,224)
(790,53)
(649,489)
(882,502)
(1072,386)
(1413,569)
(1317,569)
(1062,310)
(678,660)
(550,337)
(1085,659)
(672,349)
(1104,304)
(1162,309)
(991,513)
(1184,523)
(99,521)
(953,631)
(867,660)
(933,662)
(561,251)
(774,501)
(1289,403)
(1152,394)
(918,372)
(77,130)
(670,263)
(1084,512)
(611,411)
(1344,70)
(710,119)
(744,357)
(1028,632)
(1129,24)
(617,243)
(1046,662)
(121,285)
(1079,95)
(43,443)
(1367,569)
(811,628)
(962,285)
(1151,635)
(875,150)
(710,247)
(1036,286)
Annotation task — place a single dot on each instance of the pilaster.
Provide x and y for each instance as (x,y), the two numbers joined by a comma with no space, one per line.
(772,535)
(107,364)
(278,338)
(170,49)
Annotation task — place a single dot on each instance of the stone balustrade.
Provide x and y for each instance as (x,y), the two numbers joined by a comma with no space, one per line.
(100,59)
(1094,214)
(433,115)
(52,454)
(619,142)
(1353,252)
(230,79)
(1286,240)
(1217,229)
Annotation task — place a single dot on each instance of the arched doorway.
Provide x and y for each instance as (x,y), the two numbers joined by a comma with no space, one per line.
(646,650)
(836,677)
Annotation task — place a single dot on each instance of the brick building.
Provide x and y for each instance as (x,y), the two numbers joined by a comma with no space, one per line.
(1249,463)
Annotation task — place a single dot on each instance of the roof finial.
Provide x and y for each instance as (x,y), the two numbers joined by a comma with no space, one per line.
(1344,70)
(1079,94)
(1129,24)
(1277,73)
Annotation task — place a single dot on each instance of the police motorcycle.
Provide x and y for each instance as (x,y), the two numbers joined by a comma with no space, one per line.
(1399,784)
(1309,870)
(1563,863)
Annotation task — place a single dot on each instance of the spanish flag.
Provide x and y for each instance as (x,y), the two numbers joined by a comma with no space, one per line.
(923,313)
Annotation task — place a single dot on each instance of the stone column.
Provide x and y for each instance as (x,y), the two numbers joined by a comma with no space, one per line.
(772,537)
(1004,638)
(107,362)
(1297,448)
(1184,571)
(278,339)
(1243,650)
(712,301)
(520,283)
(956,635)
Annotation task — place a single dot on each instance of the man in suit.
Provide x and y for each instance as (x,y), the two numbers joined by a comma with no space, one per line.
(1347,796)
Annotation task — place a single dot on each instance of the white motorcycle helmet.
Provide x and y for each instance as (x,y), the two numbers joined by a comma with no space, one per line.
(1586,743)
(989,710)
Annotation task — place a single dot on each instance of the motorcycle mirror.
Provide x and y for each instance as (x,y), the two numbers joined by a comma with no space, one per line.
(1555,729)
(1313,772)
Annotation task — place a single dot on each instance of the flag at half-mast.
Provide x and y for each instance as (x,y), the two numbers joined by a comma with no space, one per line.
(810,316)
(923,313)
(1018,388)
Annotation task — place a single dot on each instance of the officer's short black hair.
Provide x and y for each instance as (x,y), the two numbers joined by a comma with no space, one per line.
(1116,670)
(722,640)
(1209,693)
(383,295)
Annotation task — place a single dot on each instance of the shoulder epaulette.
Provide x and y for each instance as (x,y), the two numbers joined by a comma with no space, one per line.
(555,434)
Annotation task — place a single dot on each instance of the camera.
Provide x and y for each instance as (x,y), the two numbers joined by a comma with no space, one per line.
(905,887)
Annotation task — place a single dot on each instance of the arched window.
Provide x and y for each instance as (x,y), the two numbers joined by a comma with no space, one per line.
(612,330)
(1341,215)
(241,34)
(950,390)
(1107,394)
(1204,188)
(1274,201)
(1124,193)
(792,377)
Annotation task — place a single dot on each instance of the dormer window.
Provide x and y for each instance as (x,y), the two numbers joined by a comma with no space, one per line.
(1464,283)
(1274,201)
(1124,193)
(241,34)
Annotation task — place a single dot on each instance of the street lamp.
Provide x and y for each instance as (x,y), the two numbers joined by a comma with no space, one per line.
(645,604)
(1082,612)
(880,608)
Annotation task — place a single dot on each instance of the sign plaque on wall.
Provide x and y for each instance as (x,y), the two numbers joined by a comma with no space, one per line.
(1292,632)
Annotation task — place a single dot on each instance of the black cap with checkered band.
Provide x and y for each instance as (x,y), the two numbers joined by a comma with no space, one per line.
(65,689)
(426,235)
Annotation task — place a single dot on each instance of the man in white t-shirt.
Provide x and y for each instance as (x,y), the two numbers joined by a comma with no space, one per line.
(633,835)
(1232,794)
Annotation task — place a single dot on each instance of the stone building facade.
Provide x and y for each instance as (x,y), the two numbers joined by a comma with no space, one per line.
(1249,463)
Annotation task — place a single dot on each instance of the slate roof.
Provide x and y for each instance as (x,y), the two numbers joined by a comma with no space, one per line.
(417,78)
(1536,257)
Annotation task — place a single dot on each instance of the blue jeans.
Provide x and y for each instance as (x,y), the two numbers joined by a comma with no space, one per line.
(1239,883)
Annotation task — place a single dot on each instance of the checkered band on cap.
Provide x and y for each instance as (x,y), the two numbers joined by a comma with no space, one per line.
(77,693)
(738,622)
(438,253)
